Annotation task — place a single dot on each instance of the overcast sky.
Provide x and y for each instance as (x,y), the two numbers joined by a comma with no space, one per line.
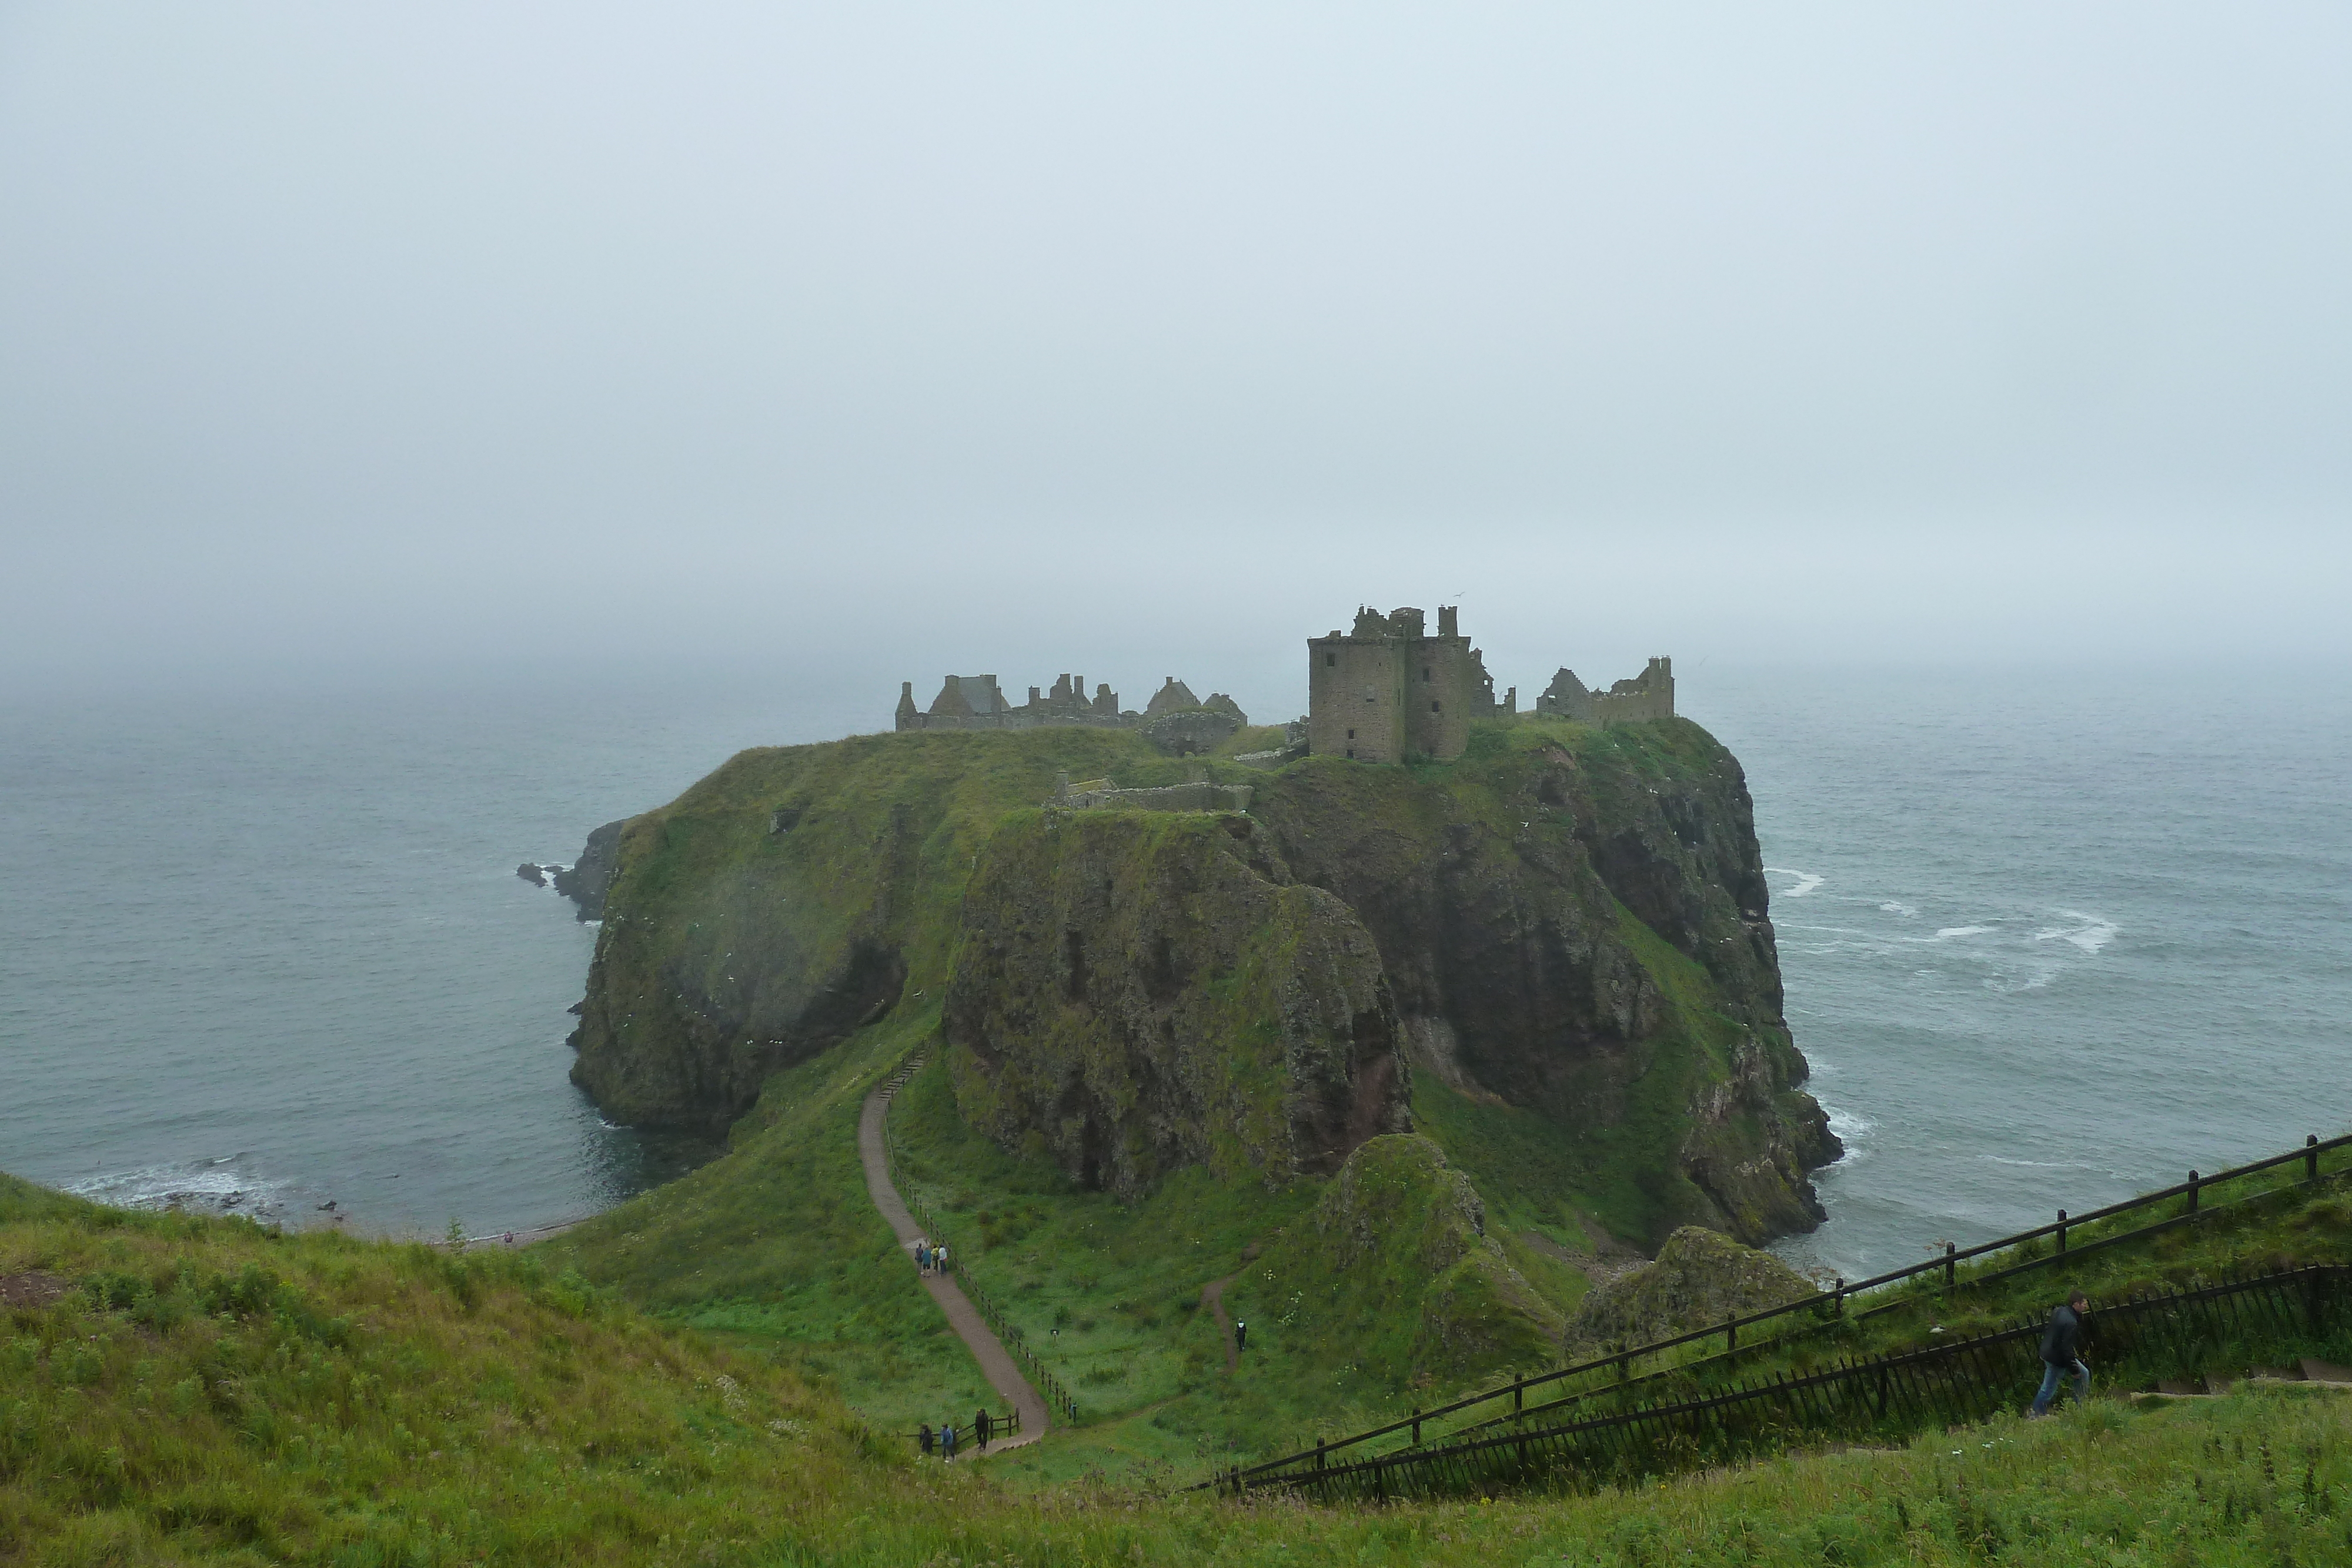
(864,343)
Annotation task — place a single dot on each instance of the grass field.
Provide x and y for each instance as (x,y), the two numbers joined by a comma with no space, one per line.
(203,1391)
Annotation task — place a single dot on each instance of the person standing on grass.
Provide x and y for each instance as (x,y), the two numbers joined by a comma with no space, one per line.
(947,1439)
(926,1439)
(1241,1335)
(2062,1348)
(979,1426)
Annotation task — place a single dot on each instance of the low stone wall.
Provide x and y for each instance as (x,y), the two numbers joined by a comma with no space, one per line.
(1193,797)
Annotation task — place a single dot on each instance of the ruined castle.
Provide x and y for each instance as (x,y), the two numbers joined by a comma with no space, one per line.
(1384,691)
(974,701)
(1387,690)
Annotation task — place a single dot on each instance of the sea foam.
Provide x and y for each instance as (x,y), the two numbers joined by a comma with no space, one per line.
(2090,933)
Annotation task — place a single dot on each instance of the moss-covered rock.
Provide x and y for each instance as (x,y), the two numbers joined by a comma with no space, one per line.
(1395,1272)
(1136,992)
(793,895)
(1699,1278)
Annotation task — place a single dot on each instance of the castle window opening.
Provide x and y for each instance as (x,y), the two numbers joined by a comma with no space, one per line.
(1352,735)
(1330,658)
(1424,675)
(1433,705)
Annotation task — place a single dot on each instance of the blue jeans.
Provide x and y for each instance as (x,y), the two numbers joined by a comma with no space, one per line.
(2051,1372)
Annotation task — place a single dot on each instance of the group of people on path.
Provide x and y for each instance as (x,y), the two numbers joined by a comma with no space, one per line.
(931,1260)
(943,1440)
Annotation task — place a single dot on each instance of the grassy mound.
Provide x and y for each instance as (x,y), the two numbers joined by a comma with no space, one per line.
(179,1389)
(1392,1283)
(1698,1278)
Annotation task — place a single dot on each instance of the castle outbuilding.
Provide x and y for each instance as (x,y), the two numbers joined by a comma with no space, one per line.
(975,702)
(1387,690)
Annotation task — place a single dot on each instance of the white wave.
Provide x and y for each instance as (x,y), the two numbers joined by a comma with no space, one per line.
(1847,1125)
(2040,1164)
(1806,881)
(210,1186)
(2092,933)
(1952,931)
(1894,906)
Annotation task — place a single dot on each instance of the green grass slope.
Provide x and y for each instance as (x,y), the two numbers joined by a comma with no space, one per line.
(177,1390)
(193,1389)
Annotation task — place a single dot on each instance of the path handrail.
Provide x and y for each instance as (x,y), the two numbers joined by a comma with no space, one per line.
(1965,1357)
(2313,1147)
(996,1424)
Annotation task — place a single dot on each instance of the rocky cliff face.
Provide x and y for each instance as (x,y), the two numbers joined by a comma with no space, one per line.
(1574,921)
(1138,991)
(587,879)
(1567,922)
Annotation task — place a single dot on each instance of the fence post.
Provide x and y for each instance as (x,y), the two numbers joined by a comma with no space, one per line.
(2311,1156)
(1416,1428)
(2062,1231)
(1838,1308)
(1951,1269)
(1731,1334)
(2192,1192)
(1519,1393)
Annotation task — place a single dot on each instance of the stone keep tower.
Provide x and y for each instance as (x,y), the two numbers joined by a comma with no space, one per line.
(1387,690)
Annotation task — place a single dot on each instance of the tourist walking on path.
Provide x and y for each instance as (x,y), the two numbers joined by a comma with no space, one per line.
(939,1259)
(1241,1333)
(922,1257)
(996,1363)
(2062,1347)
(946,1440)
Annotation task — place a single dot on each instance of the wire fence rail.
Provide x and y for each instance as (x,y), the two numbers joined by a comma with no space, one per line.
(946,1440)
(1041,1376)
(2146,1336)
(1613,1374)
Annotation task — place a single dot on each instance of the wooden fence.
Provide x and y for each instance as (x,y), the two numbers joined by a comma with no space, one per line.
(927,1440)
(1613,1374)
(2169,1332)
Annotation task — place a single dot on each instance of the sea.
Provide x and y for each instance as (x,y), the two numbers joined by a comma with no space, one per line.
(2051,936)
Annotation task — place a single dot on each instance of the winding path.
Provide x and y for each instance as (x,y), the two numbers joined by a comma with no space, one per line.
(1212,1296)
(1003,1374)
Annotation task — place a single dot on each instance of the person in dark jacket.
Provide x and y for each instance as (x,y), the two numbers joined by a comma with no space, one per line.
(2062,1352)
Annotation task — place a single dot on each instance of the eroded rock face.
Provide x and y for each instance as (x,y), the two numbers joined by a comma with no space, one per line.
(587,879)
(1699,1278)
(1499,895)
(1138,991)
